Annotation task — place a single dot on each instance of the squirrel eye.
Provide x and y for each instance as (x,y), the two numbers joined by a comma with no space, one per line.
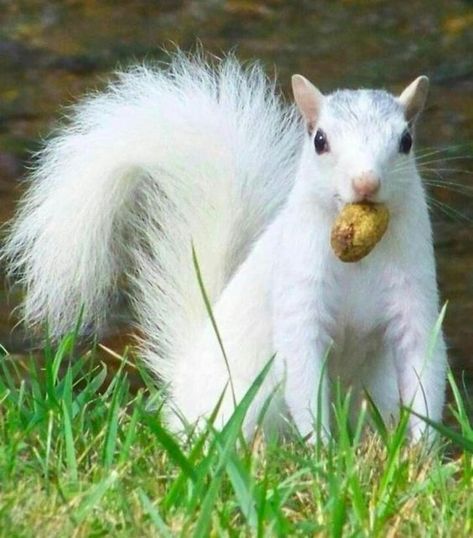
(406,142)
(320,142)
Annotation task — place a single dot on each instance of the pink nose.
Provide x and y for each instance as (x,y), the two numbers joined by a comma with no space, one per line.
(366,184)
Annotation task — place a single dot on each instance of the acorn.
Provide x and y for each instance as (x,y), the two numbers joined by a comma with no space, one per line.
(357,229)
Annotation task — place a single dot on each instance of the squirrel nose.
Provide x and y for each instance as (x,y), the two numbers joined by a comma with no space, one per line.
(366,184)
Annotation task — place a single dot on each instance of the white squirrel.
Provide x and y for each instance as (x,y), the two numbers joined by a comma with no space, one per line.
(208,156)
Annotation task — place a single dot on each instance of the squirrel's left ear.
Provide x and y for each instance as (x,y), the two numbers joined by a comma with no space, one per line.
(413,98)
(308,99)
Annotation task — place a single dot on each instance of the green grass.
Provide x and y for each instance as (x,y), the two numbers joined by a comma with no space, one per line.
(80,456)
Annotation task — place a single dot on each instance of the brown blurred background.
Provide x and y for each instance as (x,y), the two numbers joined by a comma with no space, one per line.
(51,52)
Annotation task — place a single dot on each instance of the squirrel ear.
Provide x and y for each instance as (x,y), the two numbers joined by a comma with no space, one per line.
(308,99)
(413,98)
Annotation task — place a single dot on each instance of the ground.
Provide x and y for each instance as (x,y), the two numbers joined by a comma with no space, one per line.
(82,456)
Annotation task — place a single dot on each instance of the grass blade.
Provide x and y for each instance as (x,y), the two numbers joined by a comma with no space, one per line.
(95,495)
(155,516)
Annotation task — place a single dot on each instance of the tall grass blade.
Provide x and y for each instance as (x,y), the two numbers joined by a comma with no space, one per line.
(226,440)
(460,440)
(93,498)
(71,460)
(208,306)
(170,445)
(152,511)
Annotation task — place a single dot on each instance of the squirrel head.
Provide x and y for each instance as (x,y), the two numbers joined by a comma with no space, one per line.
(359,145)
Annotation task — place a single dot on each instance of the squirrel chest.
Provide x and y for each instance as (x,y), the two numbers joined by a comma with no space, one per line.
(359,302)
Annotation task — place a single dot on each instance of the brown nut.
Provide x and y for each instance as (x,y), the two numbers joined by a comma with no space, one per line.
(357,229)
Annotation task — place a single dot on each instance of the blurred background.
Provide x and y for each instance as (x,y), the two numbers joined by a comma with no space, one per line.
(51,52)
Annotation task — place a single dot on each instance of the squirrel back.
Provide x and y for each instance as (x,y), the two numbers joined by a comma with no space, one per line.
(164,159)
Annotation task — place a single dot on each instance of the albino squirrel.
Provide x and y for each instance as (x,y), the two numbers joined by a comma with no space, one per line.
(208,157)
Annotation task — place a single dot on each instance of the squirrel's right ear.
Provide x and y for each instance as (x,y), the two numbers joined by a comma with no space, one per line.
(308,99)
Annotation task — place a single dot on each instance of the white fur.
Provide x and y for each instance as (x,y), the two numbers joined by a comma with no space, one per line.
(209,155)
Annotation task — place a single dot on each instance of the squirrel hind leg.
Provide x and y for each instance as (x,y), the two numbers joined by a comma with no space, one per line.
(208,394)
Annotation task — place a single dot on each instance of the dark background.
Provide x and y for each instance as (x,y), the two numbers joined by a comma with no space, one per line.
(52,52)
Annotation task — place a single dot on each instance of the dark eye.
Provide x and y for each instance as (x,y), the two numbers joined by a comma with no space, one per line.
(320,142)
(406,142)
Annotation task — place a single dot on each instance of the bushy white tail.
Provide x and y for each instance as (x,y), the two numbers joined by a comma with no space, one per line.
(163,159)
